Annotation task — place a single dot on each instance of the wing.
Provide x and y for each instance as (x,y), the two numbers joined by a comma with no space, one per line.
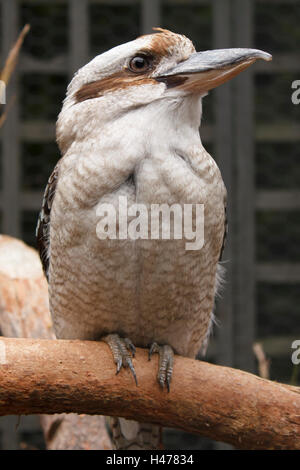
(43,225)
(225,232)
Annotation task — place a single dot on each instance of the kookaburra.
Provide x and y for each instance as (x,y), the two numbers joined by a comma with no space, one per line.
(129,127)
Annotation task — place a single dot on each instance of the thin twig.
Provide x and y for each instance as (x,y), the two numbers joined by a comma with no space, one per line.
(12,57)
(8,69)
(263,362)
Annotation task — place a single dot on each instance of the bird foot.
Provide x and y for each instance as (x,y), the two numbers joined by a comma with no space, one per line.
(122,350)
(166,360)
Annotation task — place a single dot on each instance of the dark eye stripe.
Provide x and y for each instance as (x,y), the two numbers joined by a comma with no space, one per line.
(117,81)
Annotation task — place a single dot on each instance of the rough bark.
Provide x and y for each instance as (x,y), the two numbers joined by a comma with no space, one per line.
(50,376)
(24,313)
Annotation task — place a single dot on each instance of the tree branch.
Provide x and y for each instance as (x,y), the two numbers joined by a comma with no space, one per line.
(50,376)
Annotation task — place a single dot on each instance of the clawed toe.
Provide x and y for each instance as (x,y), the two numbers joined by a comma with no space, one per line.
(166,360)
(121,349)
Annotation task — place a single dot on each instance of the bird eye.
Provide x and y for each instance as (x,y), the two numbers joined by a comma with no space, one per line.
(139,64)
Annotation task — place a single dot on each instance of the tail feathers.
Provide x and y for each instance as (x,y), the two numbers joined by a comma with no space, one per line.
(131,435)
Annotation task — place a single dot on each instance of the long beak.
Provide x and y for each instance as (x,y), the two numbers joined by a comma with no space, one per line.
(203,71)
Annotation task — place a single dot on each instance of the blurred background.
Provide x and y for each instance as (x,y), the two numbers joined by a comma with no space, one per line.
(250,126)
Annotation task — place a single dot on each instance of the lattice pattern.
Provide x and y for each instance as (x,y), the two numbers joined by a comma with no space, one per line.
(49,22)
(277,165)
(277,168)
(273,102)
(112,25)
(42,96)
(278,235)
(38,161)
(277,26)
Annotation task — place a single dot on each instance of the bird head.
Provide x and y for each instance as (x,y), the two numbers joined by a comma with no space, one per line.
(154,75)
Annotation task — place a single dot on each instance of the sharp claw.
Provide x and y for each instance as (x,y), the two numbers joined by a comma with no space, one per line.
(150,354)
(161,381)
(165,369)
(130,365)
(120,348)
(130,346)
(119,365)
(153,349)
(168,383)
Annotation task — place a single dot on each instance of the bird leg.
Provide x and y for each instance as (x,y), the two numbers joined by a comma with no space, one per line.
(166,360)
(121,349)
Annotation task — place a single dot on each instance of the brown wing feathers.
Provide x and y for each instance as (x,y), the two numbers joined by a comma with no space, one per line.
(43,226)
